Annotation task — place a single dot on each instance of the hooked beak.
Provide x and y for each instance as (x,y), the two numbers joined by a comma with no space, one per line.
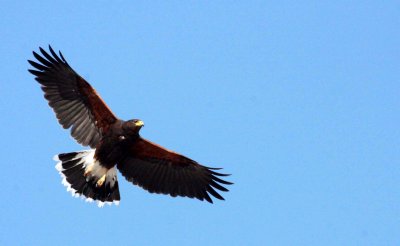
(139,123)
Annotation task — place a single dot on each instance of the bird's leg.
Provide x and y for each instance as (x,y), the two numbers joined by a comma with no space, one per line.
(101,180)
(88,170)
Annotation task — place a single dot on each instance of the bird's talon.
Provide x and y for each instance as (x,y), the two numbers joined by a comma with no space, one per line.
(100,182)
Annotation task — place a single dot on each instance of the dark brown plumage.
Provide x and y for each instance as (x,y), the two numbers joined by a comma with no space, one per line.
(114,142)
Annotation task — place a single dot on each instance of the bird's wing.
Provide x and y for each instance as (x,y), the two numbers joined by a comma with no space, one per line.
(76,104)
(159,170)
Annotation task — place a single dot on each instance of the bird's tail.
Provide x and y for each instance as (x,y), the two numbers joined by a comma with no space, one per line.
(84,176)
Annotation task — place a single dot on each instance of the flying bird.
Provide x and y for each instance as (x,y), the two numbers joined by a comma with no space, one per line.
(114,144)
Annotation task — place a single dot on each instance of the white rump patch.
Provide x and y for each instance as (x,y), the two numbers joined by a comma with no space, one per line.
(96,171)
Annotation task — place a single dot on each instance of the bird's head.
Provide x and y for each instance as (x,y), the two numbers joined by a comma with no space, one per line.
(132,126)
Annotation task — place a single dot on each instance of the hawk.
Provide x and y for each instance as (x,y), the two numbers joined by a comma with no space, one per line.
(114,144)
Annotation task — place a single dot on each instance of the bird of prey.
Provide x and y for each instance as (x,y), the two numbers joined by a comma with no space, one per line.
(115,144)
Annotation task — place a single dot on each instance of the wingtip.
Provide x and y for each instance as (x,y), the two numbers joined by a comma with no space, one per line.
(34,72)
(42,50)
(207,197)
(62,57)
(51,49)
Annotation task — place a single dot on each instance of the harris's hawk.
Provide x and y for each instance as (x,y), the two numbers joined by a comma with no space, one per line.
(115,144)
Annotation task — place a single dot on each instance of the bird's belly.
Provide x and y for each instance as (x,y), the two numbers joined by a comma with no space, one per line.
(109,153)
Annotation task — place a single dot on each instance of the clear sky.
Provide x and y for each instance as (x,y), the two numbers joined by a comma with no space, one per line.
(298,100)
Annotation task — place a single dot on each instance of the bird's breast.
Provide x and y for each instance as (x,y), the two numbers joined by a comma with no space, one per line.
(111,150)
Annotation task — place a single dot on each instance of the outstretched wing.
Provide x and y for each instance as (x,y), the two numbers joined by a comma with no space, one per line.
(76,104)
(159,170)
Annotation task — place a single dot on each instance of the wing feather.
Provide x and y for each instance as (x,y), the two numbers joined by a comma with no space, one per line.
(159,170)
(75,103)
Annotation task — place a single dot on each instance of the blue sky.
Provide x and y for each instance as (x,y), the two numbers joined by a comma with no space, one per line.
(299,100)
